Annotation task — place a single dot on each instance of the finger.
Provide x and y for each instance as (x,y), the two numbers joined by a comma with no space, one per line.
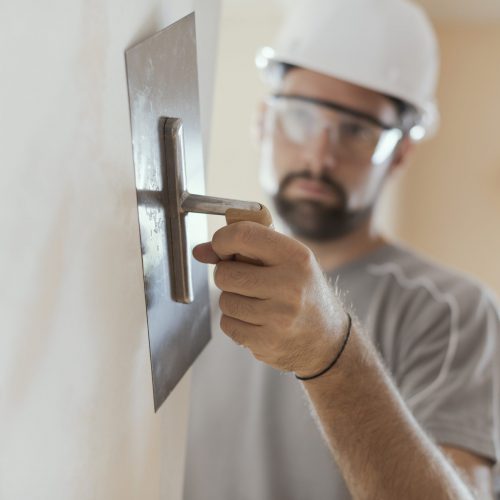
(257,242)
(247,309)
(205,253)
(240,332)
(247,279)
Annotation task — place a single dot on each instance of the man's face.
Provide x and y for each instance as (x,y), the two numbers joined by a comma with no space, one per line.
(326,176)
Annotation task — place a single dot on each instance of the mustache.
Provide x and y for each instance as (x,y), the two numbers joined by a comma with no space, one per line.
(336,187)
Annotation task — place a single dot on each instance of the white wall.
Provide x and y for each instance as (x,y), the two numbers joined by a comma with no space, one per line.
(76,408)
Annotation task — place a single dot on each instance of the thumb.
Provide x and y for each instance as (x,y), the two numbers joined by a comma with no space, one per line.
(205,253)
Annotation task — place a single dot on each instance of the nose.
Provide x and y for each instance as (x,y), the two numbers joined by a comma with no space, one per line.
(319,153)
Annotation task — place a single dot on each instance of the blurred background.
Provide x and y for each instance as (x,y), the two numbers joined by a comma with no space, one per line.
(447,201)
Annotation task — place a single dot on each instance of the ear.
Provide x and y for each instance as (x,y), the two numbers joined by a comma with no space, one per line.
(402,153)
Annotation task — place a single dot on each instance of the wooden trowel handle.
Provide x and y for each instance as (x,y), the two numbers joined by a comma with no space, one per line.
(263,217)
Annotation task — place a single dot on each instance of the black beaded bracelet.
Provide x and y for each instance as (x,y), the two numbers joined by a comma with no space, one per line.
(336,357)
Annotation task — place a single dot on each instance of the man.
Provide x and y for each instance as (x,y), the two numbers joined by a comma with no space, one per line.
(401,365)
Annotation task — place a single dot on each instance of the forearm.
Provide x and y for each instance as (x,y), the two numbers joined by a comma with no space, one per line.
(286,313)
(379,447)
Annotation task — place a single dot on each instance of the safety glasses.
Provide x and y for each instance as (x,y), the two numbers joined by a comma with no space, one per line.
(355,137)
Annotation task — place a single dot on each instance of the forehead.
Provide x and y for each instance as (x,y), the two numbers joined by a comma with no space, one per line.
(312,84)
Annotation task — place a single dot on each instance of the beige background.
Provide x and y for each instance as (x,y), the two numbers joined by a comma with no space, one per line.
(447,201)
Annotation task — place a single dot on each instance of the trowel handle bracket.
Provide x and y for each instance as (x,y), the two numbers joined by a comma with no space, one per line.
(174,187)
(180,202)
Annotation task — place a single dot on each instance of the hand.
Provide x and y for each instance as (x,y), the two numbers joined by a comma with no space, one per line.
(284,311)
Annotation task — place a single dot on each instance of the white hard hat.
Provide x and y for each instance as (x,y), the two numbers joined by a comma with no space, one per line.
(385,45)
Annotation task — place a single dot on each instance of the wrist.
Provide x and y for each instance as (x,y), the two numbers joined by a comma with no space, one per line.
(329,355)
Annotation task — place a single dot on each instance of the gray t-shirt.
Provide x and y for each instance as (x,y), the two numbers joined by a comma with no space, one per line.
(251,434)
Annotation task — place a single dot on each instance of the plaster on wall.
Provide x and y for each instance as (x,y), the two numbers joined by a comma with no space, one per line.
(75,385)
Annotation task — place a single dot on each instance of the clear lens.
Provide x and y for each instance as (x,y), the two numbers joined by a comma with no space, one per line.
(353,139)
(298,123)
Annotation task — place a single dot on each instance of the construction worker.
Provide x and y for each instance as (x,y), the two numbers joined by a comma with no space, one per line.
(375,371)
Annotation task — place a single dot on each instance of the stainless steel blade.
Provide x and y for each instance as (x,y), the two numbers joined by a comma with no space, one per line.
(163,83)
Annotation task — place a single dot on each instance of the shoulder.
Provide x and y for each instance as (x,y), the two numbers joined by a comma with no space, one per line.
(407,274)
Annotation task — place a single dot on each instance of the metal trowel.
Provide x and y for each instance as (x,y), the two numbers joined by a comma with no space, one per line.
(162,81)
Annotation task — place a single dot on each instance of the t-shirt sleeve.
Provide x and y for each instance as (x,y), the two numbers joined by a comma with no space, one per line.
(448,368)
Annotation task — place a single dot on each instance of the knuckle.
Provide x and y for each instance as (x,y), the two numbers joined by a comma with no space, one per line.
(244,232)
(221,274)
(303,256)
(218,275)
(226,325)
(294,301)
(243,279)
(242,308)
(234,306)
(217,239)
(223,301)
(268,238)
(229,328)
(227,274)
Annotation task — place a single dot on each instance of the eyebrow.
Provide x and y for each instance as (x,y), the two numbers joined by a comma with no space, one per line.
(337,107)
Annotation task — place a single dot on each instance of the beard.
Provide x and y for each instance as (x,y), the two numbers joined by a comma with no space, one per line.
(314,220)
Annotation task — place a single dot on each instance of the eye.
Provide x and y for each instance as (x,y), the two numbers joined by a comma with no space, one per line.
(353,130)
(298,123)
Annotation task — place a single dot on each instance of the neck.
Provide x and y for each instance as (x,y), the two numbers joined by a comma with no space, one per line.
(335,253)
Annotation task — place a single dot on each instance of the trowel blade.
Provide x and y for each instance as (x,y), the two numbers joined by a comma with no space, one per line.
(163,83)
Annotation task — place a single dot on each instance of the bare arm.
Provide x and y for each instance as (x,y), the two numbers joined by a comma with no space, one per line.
(369,429)
(476,470)
(288,316)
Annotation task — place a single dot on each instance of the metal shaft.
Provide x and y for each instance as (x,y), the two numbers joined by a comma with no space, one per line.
(212,205)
